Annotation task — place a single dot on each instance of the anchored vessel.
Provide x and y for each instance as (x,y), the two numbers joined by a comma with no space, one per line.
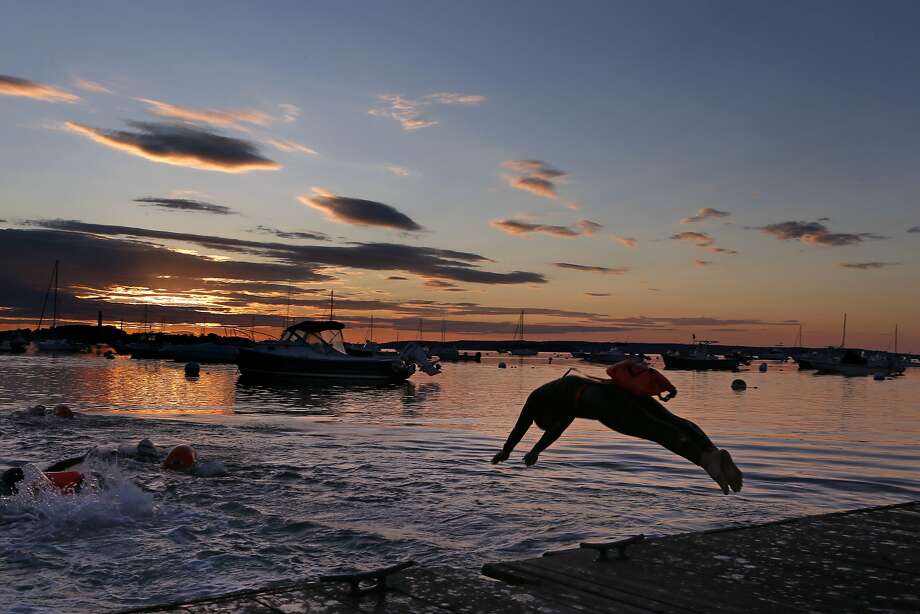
(315,349)
(699,358)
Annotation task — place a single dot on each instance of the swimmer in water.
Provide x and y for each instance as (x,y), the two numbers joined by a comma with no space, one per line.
(555,405)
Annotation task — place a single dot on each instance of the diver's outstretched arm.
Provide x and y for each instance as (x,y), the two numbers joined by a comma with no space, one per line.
(520,428)
(551,435)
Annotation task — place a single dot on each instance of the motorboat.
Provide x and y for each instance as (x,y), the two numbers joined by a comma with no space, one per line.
(700,357)
(611,356)
(315,349)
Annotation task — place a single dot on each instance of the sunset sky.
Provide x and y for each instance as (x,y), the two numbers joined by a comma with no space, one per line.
(637,171)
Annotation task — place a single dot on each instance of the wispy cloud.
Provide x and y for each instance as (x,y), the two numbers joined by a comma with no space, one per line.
(221,119)
(291,147)
(181,146)
(704,240)
(626,241)
(592,269)
(184,204)
(815,233)
(397,278)
(289,112)
(411,113)
(597,294)
(14,86)
(346,210)
(535,176)
(914,229)
(706,213)
(91,86)
(454,98)
(699,262)
(398,170)
(312,235)
(866,266)
(521,227)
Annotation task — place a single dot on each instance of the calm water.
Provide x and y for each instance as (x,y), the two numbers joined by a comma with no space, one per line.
(326,478)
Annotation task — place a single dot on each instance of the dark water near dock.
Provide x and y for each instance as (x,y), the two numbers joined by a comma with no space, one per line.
(329,477)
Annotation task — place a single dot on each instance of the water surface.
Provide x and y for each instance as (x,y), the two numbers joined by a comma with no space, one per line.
(330,477)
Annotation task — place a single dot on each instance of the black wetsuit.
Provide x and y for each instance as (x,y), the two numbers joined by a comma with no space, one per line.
(555,405)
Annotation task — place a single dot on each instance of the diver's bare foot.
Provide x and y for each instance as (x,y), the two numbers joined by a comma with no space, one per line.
(712,463)
(530,458)
(730,471)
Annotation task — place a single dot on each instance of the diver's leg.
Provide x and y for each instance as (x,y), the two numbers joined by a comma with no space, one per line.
(551,434)
(520,428)
(648,419)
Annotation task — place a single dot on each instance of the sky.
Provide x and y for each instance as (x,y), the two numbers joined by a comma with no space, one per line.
(622,171)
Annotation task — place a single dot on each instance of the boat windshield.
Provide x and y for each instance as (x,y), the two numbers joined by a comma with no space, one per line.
(325,341)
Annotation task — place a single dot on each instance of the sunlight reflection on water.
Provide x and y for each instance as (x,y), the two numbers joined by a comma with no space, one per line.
(332,476)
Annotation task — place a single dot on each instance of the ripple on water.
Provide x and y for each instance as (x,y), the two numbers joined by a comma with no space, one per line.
(322,479)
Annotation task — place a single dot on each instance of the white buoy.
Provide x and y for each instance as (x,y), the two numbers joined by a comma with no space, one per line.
(763,367)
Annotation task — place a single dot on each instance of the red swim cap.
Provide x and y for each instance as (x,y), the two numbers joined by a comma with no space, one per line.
(181,458)
(62,411)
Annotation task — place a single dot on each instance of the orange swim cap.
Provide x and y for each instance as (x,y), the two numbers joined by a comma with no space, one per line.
(62,411)
(181,458)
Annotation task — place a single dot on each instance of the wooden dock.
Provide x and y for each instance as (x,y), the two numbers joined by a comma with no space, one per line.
(863,560)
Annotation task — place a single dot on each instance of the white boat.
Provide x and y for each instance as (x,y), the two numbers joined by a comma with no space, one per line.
(314,349)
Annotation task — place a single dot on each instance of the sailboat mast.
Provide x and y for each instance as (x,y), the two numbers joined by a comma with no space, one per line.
(895,338)
(843,341)
(56,281)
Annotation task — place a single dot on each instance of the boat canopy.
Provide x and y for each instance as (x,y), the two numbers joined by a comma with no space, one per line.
(323,336)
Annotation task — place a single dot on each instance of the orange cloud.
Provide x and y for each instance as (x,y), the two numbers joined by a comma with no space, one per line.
(224,119)
(536,185)
(701,239)
(181,146)
(626,241)
(521,227)
(291,146)
(14,86)
(92,86)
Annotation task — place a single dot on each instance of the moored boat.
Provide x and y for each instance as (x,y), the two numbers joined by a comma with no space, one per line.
(315,349)
(700,357)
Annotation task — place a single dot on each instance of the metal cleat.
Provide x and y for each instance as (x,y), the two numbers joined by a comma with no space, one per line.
(620,546)
(378,576)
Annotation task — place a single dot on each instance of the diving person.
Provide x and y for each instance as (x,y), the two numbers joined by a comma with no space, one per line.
(555,405)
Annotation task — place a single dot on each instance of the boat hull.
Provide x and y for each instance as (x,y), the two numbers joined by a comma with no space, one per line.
(687,363)
(260,363)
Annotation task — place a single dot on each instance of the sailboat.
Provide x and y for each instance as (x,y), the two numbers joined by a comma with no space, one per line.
(54,344)
(517,345)
(842,361)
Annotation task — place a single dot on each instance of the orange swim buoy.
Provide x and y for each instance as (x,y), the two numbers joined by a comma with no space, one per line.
(641,380)
(181,458)
(68,482)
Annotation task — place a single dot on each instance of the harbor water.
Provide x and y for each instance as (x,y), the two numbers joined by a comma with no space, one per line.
(326,478)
